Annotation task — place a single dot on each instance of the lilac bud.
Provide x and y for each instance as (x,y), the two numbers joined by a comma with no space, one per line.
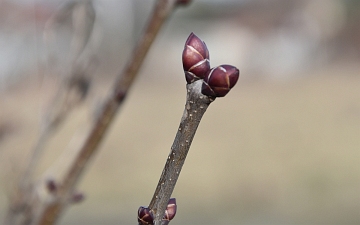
(170,210)
(183,2)
(219,80)
(144,216)
(119,95)
(77,197)
(195,59)
(51,185)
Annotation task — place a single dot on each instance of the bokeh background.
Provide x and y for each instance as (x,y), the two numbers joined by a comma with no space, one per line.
(282,148)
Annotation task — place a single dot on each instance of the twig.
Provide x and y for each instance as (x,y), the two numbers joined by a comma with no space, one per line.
(83,17)
(204,85)
(196,105)
(52,211)
(71,93)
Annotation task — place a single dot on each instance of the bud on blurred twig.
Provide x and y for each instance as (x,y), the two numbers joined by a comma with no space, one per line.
(51,186)
(183,2)
(77,197)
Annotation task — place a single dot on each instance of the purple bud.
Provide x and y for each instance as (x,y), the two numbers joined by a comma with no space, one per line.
(120,95)
(77,197)
(183,2)
(219,80)
(144,216)
(51,186)
(195,59)
(170,210)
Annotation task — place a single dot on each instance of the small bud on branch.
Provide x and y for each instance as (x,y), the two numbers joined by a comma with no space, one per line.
(144,216)
(183,2)
(195,59)
(219,80)
(77,197)
(51,186)
(170,210)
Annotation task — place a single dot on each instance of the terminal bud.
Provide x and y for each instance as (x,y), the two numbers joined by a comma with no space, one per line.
(195,59)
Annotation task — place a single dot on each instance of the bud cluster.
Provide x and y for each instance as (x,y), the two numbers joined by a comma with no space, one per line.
(217,81)
(145,216)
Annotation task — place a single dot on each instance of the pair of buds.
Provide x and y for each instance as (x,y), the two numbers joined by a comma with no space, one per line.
(145,216)
(53,188)
(217,81)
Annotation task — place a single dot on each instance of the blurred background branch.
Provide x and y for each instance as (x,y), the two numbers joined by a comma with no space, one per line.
(25,203)
(75,78)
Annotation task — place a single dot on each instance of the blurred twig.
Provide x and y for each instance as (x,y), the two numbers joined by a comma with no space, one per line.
(74,87)
(27,206)
(51,213)
(196,105)
(71,93)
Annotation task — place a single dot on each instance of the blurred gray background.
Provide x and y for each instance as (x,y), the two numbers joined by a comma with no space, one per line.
(282,148)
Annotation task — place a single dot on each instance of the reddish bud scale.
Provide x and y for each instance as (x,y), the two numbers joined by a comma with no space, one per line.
(195,59)
(219,80)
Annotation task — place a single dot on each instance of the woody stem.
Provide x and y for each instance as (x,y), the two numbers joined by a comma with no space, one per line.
(195,107)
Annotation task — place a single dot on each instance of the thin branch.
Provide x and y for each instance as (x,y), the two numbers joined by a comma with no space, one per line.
(196,105)
(204,85)
(52,212)
(83,17)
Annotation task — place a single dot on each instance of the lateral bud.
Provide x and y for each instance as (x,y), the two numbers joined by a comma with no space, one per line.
(195,59)
(51,186)
(170,210)
(219,80)
(77,197)
(145,216)
(183,2)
